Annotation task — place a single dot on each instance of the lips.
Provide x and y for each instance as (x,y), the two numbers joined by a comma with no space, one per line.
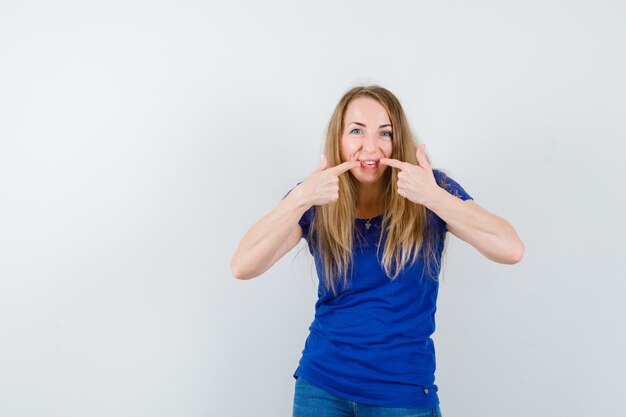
(369,163)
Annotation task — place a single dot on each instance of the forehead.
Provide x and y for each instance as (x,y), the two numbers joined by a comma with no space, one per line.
(366,110)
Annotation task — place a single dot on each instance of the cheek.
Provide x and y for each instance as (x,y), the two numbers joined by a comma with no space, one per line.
(388,149)
(348,148)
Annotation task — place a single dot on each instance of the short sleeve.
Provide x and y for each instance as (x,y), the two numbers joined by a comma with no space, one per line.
(306,219)
(451,186)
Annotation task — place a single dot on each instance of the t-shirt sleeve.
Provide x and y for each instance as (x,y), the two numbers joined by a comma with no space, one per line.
(306,219)
(454,188)
(451,186)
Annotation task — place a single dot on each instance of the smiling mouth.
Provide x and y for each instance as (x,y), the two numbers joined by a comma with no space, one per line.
(369,163)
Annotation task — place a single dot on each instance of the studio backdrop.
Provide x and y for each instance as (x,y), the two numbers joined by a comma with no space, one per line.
(139,140)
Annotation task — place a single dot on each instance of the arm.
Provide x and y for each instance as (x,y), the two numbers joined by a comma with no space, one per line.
(269,239)
(491,235)
(278,232)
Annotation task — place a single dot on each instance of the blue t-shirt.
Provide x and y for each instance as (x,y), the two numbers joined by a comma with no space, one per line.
(371,342)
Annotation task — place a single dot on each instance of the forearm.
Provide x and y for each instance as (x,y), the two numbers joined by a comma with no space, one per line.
(266,236)
(490,234)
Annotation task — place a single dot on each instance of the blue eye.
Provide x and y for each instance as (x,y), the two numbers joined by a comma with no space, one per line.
(354,130)
(387,133)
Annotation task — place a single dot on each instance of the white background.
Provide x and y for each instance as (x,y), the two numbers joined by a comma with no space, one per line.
(139,140)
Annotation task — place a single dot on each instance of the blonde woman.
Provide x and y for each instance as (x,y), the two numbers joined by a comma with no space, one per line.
(375,216)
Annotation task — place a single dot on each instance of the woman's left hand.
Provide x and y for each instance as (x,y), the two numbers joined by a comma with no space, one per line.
(415,182)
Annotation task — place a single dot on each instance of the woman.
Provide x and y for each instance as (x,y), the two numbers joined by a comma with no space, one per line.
(375,215)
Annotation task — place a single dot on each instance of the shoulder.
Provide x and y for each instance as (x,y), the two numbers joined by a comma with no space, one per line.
(439,176)
(450,185)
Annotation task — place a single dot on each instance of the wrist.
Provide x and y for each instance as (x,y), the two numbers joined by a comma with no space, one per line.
(437,199)
(297,199)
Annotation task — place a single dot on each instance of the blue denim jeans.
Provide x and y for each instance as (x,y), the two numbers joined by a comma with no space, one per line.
(312,401)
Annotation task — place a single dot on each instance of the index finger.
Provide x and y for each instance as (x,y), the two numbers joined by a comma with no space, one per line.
(394,163)
(341,168)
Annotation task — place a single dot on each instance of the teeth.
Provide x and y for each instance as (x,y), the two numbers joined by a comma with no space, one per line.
(369,162)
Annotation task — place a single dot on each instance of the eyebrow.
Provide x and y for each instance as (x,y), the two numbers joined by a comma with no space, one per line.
(362,124)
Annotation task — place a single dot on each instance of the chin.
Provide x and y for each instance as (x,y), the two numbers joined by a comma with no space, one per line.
(367,178)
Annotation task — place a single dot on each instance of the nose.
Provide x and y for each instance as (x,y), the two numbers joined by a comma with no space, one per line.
(369,143)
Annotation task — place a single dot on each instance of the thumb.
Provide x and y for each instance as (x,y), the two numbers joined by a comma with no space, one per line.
(421,156)
(323,163)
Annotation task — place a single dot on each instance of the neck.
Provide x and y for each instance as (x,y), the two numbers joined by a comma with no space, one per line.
(369,200)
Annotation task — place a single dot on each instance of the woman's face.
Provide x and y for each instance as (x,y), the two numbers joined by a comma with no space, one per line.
(366,137)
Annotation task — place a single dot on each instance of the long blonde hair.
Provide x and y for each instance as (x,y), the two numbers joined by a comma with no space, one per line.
(406,223)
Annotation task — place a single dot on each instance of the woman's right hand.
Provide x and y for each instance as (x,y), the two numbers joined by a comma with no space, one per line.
(322,185)
(278,232)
